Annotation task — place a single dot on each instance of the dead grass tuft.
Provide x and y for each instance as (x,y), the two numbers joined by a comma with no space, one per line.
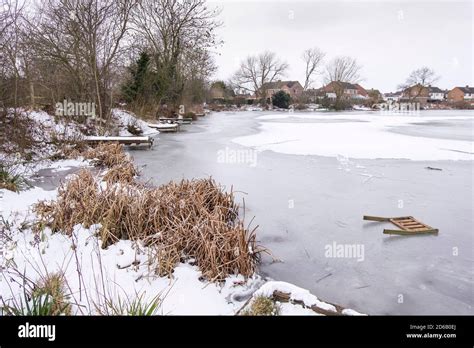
(53,286)
(262,305)
(190,219)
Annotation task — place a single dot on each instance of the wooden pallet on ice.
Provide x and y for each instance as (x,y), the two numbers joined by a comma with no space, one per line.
(408,224)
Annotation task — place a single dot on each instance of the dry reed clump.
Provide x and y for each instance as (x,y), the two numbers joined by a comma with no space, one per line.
(124,173)
(112,156)
(107,155)
(190,219)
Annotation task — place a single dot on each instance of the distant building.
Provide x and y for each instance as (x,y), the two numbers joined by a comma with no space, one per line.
(361,91)
(417,93)
(247,97)
(461,93)
(219,92)
(347,90)
(435,94)
(293,88)
(374,95)
(394,97)
(313,94)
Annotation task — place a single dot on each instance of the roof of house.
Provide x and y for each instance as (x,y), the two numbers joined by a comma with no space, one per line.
(435,90)
(361,89)
(466,89)
(346,85)
(279,84)
(372,90)
(396,94)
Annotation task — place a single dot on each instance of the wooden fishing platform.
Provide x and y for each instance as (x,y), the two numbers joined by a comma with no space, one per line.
(187,120)
(165,127)
(121,140)
(408,225)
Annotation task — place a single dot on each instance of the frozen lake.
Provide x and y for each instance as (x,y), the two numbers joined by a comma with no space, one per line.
(308,178)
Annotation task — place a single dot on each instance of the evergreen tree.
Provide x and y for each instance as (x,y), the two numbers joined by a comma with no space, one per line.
(136,87)
(281,99)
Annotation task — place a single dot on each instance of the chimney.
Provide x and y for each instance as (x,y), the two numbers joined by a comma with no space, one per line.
(467,86)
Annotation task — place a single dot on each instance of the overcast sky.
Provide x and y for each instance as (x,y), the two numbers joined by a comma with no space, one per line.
(389,38)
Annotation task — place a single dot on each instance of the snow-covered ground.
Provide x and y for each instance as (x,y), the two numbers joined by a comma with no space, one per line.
(124,118)
(43,130)
(356,135)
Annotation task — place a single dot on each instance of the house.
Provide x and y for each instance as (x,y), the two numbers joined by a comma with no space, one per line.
(347,90)
(293,88)
(314,94)
(461,93)
(435,94)
(220,92)
(374,95)
(217,92)
(418,93)
(246,98)
(394,97)
(361,91)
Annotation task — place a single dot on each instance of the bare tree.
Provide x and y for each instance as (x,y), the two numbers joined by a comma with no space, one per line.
(11,34)
(255,71)
(418,81)
(312,58)
(83,39)
(179,35)
(342,70)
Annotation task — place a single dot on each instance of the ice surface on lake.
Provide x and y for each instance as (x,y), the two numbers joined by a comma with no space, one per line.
(367,136)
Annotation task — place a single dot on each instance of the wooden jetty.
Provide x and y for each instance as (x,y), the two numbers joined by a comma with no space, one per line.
(186,120)
(165,127)
(121,140)
(408,225)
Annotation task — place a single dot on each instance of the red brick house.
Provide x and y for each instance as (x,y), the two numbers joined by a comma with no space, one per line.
(293,88)
(418,93)
(461,93)
(349,90)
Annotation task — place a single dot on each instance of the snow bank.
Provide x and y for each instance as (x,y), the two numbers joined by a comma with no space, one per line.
(297,294)
(287,308)
(300,295)
(349,311)
(355,136)
(52,126)
(17,205)
(120,271)
(124,118)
